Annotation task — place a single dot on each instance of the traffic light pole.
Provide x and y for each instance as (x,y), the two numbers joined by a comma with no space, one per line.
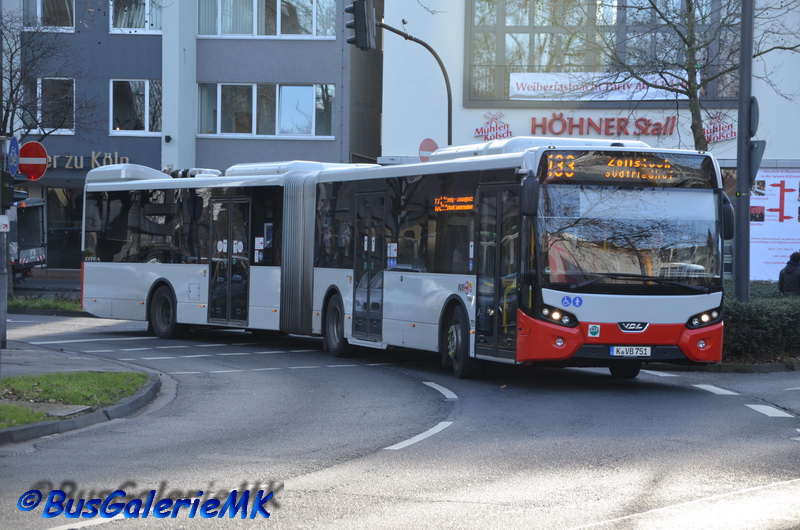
(444,72)
(744,171)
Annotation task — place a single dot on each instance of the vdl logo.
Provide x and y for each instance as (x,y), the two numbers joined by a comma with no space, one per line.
(575,302)
(632,327)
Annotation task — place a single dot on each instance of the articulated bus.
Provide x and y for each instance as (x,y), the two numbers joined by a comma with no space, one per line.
(563,252)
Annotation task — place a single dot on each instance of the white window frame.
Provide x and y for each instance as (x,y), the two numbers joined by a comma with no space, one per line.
(132,132)
(50,29)
(39,105)
(133,31)
(278,35)
(253,110)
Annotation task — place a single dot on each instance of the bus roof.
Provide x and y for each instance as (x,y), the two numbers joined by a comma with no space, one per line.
(522,143)
(129,172)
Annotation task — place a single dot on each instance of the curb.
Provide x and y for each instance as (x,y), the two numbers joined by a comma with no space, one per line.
(49,313)
(125,407)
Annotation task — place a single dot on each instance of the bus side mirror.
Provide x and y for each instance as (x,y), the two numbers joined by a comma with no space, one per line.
(727,217)
(530,194)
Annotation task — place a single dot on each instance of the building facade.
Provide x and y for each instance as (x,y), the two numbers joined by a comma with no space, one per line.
(189,83)
(516,69)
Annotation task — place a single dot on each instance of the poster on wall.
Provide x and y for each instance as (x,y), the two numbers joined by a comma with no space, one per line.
(774,221)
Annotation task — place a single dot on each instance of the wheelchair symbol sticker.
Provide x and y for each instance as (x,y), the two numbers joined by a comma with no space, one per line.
(567,301)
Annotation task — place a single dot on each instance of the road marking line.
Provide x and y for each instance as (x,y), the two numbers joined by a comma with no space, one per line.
(418,438)
(84,524)
(209,345)
(180,373)
(672,507)
(659,374)
(135,349)
(71,341)
(224,371)
(197,355)
(772,412)
(300,367)
(169,347)
(380,364)
(301,351)
(445,392)
(264,369)
(231,354)
(96,351)
(266,352)
(341,365)
(155,358)
(131,359)
(716,390)
(795,388)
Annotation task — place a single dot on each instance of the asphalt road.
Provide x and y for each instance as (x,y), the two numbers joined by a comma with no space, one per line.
(389,440)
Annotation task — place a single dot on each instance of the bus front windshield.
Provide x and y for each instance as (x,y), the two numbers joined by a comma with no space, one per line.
(636,240)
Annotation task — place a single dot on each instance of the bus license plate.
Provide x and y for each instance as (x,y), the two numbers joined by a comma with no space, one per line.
(630,351)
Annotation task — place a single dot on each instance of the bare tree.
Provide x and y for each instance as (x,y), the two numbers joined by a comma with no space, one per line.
(38,78)
(686,48)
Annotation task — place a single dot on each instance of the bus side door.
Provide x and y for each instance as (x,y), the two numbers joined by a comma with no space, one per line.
(230,266)
(368,266)
(498,258)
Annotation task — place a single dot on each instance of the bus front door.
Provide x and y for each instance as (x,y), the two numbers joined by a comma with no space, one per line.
(230,266)
(368,267)
(498,257)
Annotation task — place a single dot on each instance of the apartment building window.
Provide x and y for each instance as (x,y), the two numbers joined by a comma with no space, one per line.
(136,16)
(135,106)
(56,14)
(268,18)
(266,109)
(569,43)
(50,105)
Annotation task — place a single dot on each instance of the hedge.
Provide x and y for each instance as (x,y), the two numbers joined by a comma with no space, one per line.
(765,329)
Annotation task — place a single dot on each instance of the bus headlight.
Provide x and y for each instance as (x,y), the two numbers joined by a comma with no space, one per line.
(558,316)
(706,318)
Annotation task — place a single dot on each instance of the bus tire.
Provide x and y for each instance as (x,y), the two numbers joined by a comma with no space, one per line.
(625,370)
(454,344)
(333,337)
(164,315)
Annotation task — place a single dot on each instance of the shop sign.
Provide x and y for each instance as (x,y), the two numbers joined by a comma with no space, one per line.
(494,128)
(559,125)
(595,87)
(96,159)
(719,129)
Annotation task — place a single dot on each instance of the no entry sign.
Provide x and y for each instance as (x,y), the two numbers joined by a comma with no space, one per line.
(32,160)
(426,147)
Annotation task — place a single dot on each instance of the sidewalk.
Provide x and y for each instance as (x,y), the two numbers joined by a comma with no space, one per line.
(20,358)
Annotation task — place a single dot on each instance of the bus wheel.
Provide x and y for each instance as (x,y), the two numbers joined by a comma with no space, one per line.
(164,315)
(625,370)
(455,345)
(333,337)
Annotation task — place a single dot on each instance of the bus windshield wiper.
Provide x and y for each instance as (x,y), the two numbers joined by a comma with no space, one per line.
(639,277)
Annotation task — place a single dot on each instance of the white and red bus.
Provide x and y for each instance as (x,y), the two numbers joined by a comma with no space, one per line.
(525,250)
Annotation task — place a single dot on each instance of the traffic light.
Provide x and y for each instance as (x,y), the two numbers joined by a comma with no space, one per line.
(363,24)
(6,191)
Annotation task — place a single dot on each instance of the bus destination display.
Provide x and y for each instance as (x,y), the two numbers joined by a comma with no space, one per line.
(628,168)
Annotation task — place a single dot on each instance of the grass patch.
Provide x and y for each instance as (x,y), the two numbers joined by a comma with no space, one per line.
(59,302)
(93,389)
(12,415)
